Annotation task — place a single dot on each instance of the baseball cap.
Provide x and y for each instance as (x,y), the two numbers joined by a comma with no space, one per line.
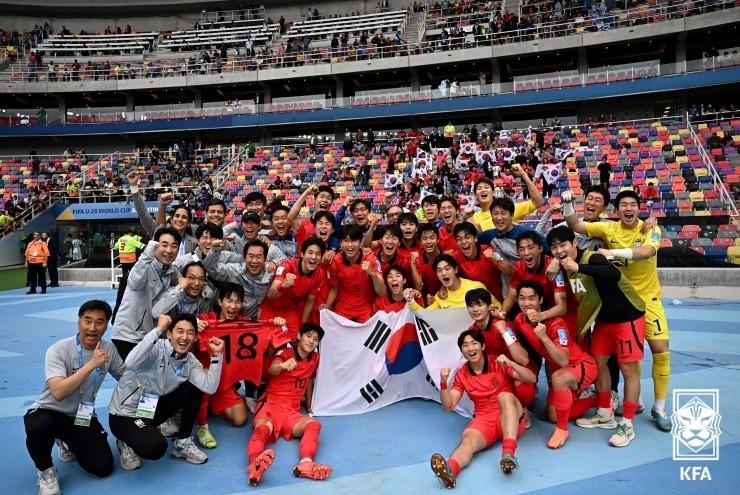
(251,216)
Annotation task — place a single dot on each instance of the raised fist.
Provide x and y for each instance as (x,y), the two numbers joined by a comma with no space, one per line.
(216,346)
(566,196)
(288,281)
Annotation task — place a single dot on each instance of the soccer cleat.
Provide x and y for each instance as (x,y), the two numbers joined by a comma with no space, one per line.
(205,438)
(508,463)
(597,421)
(312,470)
(127,457)
(623,436)
(442,471)
(48,482)
(65,454)
(527,418)
(558,438)
(587,392)
(171,427)
(185,448)
(662,419)
(259,466)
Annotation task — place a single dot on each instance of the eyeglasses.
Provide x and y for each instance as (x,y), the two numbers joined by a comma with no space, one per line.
(191,278)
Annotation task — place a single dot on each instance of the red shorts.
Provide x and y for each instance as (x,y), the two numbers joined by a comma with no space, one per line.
(525,392)
(489,425)
(357,314)
(283,419)
(224,399)
(584,372)
(626,340)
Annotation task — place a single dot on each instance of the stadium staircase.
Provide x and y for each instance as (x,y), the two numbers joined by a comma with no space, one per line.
(413,32)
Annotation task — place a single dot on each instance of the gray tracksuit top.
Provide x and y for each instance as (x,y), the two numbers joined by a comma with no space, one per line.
(154,367)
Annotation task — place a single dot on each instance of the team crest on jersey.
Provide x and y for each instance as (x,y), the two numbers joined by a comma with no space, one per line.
(280,271)
(563,336)
(638,243)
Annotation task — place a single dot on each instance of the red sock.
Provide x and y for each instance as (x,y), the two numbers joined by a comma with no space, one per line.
(580,406)
(604,399)
(629,409)
(310,440)
(508,446)
(202,416)
(257,442)
(562,400)
(454,466)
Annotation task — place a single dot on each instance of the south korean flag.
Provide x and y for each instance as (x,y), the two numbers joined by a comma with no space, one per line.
(366,366)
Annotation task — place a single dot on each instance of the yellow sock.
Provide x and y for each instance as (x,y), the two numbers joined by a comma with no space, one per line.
(661,374)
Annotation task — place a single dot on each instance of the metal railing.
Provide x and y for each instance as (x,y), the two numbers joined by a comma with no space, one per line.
(718,183)
(595,76)
(266,59)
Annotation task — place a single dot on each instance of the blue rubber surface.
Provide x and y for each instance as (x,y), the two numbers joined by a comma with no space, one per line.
(388,451)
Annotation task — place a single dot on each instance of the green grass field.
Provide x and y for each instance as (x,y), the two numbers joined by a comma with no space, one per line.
(14,278)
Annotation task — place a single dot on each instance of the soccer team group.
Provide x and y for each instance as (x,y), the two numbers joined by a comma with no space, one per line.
(222,319)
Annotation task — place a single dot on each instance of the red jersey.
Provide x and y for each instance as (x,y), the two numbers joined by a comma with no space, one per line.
(289,304)
(481,269)
(521,273)
(406,251)
(483,388)
(398,258)
(385,303)
(447,240)
(428,276)
(355,293)
(245,342)
(557,331)
(305,230)
(288,388)
(495,344)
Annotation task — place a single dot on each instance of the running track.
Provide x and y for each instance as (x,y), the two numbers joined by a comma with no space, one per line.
(387,451)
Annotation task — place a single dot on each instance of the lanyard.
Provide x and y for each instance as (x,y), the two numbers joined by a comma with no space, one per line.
(161,280)
(182,303)
(98,374)
(182,247)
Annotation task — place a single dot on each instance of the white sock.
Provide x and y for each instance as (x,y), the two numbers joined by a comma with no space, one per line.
(305,459)
(659,405)
(626,421)
(605,412)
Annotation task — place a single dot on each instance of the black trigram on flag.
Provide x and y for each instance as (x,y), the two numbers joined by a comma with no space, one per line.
(426,332)
(378,336)
(431,382)
(371,391)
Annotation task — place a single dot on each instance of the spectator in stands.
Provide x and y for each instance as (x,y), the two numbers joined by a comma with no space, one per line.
(650,193)
(605,170)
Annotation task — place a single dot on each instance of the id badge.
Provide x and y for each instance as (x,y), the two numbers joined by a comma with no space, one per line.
(84,413)
(147,406)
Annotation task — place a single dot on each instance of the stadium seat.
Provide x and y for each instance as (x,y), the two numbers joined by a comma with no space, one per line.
(733,255)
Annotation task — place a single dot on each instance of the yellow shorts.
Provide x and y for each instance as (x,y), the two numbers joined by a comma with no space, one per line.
(656,324)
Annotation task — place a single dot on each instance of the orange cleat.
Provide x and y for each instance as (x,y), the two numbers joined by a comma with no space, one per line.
(312,470)
(259,466)
(558,438)
(442,471)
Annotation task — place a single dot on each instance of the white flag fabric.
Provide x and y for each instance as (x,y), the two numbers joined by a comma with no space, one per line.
(563,153)
(551,172)
(365,366)
(392,181)
(467,148)
(438,331)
